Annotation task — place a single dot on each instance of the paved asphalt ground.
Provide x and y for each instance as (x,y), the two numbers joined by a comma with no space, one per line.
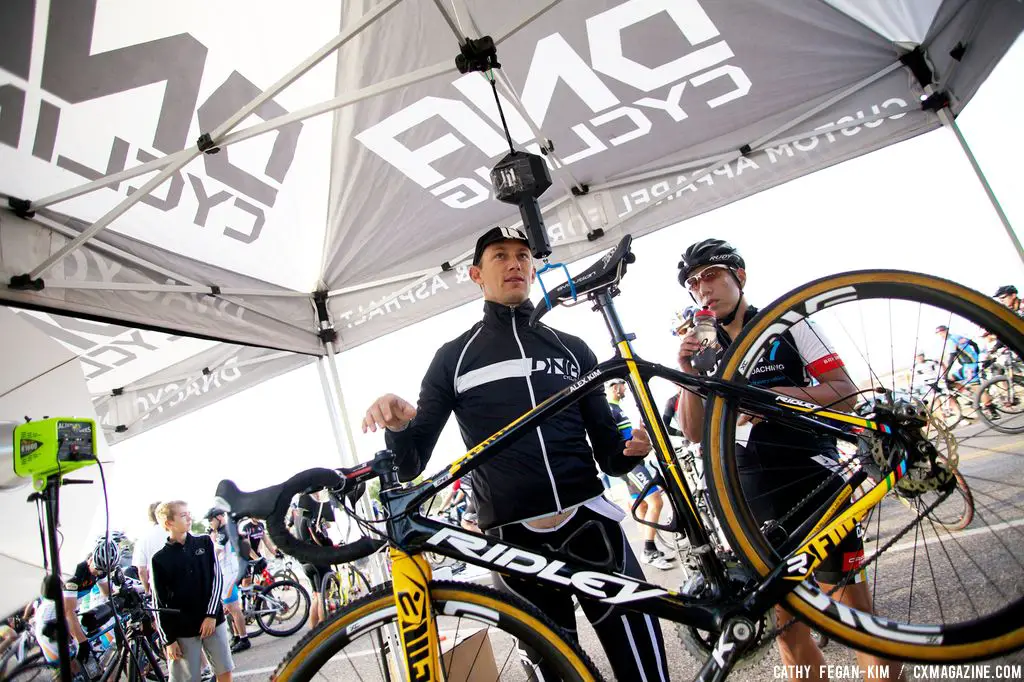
(975,568)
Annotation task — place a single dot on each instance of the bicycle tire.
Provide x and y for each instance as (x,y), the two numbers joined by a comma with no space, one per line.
(938,407)
(1001,631)
(331,600)
(267,623)
(30,672)
(518,618)
(1018,384)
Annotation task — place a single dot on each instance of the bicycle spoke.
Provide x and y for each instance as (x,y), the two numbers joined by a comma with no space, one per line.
(511,650)
(965,592)
(913,560)
(935,585)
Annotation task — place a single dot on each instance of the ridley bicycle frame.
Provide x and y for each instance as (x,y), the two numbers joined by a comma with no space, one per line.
(734,615)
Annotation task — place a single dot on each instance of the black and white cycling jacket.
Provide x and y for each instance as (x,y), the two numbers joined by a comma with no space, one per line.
(488,377)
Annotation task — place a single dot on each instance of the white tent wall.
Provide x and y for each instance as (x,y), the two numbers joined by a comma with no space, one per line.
(652,110)
(39,378)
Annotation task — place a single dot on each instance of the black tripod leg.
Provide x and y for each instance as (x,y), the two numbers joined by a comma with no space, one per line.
(153,659)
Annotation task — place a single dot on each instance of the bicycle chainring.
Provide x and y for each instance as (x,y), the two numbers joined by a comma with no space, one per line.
(699,643)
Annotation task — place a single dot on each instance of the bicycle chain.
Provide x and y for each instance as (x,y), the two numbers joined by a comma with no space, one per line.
(846,580)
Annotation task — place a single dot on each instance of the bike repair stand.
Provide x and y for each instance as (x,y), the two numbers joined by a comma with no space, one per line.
(52,583)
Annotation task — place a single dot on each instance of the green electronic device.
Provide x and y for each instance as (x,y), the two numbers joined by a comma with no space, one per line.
(53,447)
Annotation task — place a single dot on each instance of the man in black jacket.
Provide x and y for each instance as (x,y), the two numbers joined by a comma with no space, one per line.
(544,488)
(187,578)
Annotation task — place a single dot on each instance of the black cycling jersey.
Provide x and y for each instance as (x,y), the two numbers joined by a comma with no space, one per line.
(314,514)
(254,530)
(779,465)
(81,581)
(488,377)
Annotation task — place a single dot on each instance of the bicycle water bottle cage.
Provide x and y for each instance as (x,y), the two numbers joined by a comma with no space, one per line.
(607,565)
(555,266)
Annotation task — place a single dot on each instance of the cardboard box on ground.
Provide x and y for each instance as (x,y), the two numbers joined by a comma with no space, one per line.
(470,659)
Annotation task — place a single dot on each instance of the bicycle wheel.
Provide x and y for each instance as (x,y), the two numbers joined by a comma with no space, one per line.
(485,629)
(1007,399)
(946,409)
(332,597)
(977,608)
(281,608)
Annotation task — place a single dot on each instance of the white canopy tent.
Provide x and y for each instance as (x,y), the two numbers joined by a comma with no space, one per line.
(180,277)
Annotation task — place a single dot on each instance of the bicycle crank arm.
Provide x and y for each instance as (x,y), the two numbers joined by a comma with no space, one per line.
(736,636)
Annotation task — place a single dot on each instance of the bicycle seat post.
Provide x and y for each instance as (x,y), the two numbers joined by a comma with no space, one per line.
(603,302)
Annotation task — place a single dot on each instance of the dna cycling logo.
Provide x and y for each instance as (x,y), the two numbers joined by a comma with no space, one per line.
(596,121)
(227,197)
(611,589)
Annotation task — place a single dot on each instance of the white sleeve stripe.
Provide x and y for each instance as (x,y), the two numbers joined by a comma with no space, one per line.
(218,586)
(811,343)
(462,355)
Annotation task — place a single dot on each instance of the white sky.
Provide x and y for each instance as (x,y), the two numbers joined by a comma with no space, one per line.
(914,206)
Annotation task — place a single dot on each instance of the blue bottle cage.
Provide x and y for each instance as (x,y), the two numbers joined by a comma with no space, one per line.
(555,266)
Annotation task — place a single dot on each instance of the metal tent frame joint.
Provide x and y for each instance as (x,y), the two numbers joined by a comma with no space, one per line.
(214,290)
(595,234)
(117,391)
(206,145)
(21,207)
(958,51)
(935,101)
(25,282)
(581,190)
(917,63)
(447,267)
(120,428)
(477,54)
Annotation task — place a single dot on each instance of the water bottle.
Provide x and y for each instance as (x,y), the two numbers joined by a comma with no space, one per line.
(706,328)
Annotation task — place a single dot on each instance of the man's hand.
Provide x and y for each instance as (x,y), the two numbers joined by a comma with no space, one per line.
(688,345)
(174,652)
(388,411)
(207,628)
(639,445)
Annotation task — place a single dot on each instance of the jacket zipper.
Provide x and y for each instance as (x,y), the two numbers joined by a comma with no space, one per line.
(533,403)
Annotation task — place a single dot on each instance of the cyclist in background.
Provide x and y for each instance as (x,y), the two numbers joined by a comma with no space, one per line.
(1007,295)
(315,516)
(88,574)
(231,570)
(962,364)
(637,479)
(778,464)
(926,374)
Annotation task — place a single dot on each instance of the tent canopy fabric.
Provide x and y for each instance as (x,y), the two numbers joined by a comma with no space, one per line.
(345,195)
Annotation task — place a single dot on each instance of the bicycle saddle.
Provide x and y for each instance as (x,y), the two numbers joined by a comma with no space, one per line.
(604,273)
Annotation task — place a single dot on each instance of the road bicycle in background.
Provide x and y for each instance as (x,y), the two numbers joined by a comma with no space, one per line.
(963,608)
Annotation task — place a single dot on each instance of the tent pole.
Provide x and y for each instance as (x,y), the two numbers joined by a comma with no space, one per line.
(331,407)
(949,122)
(343,412)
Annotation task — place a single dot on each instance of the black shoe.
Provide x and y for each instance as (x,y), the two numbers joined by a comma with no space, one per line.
(241,645)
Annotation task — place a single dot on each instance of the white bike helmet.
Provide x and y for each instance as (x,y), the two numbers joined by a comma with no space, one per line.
(107,555)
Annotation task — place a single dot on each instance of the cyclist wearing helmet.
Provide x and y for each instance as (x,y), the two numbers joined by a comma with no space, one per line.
(88,574)
(230,567)
(961,362)
(778,465)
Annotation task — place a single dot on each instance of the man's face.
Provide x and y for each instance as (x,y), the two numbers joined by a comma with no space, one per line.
(216,522)
(715,287)
(505,272)
(1009,300)
(617,391)
(180,520)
